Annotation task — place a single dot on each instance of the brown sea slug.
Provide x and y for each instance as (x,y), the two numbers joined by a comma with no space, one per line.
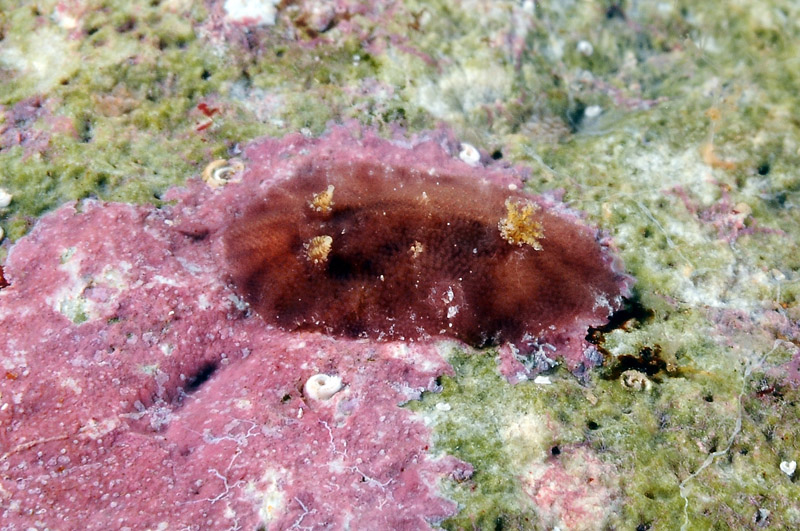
(368,249)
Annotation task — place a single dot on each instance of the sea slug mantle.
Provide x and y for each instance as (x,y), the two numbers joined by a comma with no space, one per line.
(364,237)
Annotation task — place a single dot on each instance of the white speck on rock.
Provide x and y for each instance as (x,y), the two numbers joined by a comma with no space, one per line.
(788,467)
(322,386)
(593,111)
(5,198)
(443,406)
(585,48)
(252,12)
(469,154)
(542,380)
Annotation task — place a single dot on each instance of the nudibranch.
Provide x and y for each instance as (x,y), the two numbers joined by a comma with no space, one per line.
(393,252)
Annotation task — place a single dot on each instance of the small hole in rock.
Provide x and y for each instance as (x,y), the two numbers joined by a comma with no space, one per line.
(201,377)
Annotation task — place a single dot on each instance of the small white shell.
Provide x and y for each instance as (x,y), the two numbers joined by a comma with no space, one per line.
(585,48)
(788,467)
(220,172)
(322,386)
(5,198)
(469,154)
(634,380)
(593,111)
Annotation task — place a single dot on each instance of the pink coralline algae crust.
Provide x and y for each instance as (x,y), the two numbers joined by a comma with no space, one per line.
(757,330)
(573,491)
(29,123)
(138,391)
(730,220)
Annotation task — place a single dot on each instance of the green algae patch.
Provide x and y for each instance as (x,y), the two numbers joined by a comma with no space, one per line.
(514,73)
(467,417)
(124,106)
(43,56)
(650,443)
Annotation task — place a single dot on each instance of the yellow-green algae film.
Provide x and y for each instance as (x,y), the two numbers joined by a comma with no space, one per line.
(670,123)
